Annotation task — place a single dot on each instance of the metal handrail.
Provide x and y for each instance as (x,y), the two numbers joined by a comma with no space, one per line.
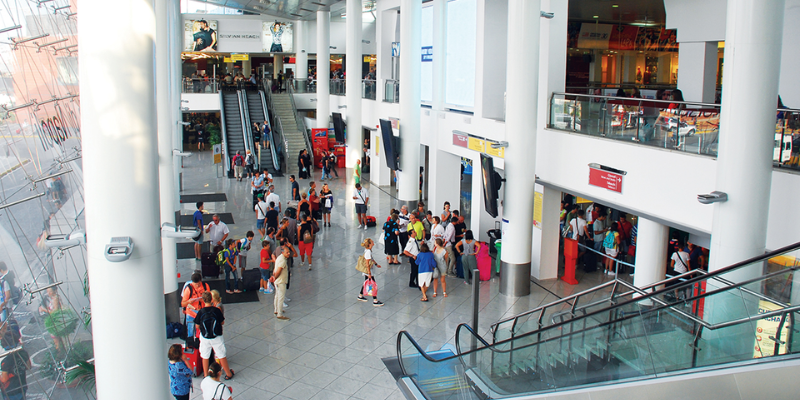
(279,125)
(636,99)
(247,128)
(225,150)
(275,161)
(301,125)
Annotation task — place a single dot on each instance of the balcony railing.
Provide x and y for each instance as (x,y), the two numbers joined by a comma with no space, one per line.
(338,87)
(303,85)
(391,93)
(198,85)
(368,89)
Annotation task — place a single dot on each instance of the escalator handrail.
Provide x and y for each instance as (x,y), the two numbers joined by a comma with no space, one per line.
(651,295)
(223,132)
(424,354)
(279,125)
(247,132)
(301,125)
(275,162)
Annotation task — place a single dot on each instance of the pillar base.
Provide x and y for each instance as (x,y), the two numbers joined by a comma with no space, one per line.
(515,279)
(172,307)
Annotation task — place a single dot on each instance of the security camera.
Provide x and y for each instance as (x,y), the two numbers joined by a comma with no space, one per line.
(176,152)
(170,230)
(74,238)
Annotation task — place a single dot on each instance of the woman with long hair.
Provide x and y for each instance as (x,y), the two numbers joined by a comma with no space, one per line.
(391,244)
(442,259)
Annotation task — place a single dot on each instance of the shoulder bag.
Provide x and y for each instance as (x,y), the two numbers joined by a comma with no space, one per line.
(361,265)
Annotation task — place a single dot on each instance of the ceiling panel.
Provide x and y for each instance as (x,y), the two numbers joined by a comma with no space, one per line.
(626,11)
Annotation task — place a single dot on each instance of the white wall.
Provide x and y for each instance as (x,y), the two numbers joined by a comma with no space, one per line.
(197,102)
(697,21)
(789,88)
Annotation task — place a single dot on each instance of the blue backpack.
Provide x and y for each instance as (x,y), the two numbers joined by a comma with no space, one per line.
(608,242)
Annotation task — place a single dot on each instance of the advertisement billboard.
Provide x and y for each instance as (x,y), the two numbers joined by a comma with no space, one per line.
(277,37)
(199,35)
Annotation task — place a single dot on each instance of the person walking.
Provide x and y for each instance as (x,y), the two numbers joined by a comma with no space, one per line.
(209,320)
(295,188)
(361,196)
(411,250)
(468,248)
(368,244)
(442,257)
(238,166)
(391,245)
(229,255)
(326,204)
(261,209)
(249,164)
(180,375)
(273,197)
(425,266)
(212,388)
(279,278)
(357,172)
(197,222)
(257,186)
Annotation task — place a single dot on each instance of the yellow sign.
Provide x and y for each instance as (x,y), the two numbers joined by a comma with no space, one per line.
(377,144)
(581,200)
(767,328)
(476,144)
(217,150)
(240,57)
(498,152)
(367,59)
(538,201)
(226,59)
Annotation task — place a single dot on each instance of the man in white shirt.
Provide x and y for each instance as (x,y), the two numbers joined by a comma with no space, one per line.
(579,230)
(217,231)
(261,215)
(273,197)
(361,196)
(402,222)
(411,250)
(449,238)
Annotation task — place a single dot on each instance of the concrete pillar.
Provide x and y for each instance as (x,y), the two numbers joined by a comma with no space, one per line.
(120,170)
(628,68)
(323,69)
(697,74)
(167,187)
(176,65)
(524,22)
(651,252)
(744,165)
(410,99)
(544,264)
(664,69)
(353,82)
(301,56)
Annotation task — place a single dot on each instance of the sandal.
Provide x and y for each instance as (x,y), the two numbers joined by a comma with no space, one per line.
(434,294)
(233,373)
(445,294)
(229,291)
(423,299)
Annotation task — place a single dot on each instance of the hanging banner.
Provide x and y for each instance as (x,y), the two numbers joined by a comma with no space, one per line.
(320,138)
(594,36)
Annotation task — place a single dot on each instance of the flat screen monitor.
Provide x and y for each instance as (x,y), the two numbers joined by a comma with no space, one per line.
(338,127)
(491,184)
(390,145)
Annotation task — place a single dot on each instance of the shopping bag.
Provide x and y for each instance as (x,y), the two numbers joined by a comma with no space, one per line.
(370,288)
(270,288)
(382,240)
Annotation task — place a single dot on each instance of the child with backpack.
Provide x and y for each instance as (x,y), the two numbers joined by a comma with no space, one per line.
(611,246)
(228,258)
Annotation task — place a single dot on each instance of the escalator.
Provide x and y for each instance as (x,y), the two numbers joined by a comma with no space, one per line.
(256,108)
(738,317)
(233,128)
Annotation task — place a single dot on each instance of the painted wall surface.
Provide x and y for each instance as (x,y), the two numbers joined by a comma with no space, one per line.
(197,102)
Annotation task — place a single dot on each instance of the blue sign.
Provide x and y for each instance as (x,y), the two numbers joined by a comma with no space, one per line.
(427,53)
(395,49)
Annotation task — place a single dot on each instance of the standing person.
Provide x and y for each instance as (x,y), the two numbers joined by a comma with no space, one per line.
(427,223)
(441,256)
(306,237)
(679,262)
(304,207)
(402,222)
(578,228)
(267,261)
(391,245)
(273,197)
(257,135)
(449,240)
(425,266)
(697,259)
(212,388)
(257,186)
(243,247)
(326,167)
(326,198)
(357,172)
(420,213)
(279,278)
(332,162)
(14,369)
(272,217)
(229,255)
(437,231)
(624,228)
(367,244)
(301,164)
(209,321)
(197,222)
(249,164)
(411,250)
(611,246)
(313,200)
(217,231)
(599,227)
(295,188)
(446,214)
(180,375)
(261,210)
(238,166)
(191,300)
(265,131)
(361,196)
(216,301)
(468,248)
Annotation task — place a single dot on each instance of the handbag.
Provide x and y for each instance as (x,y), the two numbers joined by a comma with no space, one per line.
(361,265)
(370,287)
(382,240)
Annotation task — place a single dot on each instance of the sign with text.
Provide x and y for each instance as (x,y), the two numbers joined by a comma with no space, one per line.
(538,203)
(217,151)
(499,152)
(427,53)
(240,57)
(476,144)
(605,179)
(461,140)
(767,331)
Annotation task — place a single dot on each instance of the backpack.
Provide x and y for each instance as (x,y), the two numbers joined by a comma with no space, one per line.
(207,324)
(16,293)
(221,257)
(608,242)
(240,247)
(237,160)
(176,330)
(249,159)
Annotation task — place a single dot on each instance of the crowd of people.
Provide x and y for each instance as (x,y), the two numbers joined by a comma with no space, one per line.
(198,129)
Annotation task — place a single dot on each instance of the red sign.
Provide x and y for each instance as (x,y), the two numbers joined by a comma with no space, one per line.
(460,140)
(605,179)
(320,137)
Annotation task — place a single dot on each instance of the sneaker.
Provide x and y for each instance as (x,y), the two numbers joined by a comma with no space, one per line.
(261,290)
(283,317)
(361,298)
(309,267)
(285,305)
(365,227)
(377,304)
(360,226)
(611,273)
(287,299)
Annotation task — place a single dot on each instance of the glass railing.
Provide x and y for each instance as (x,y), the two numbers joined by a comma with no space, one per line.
(786,151)
(391,92)
(683,126)
(733,316)
(338,87)
(197,85)
(304,85)
(369,89)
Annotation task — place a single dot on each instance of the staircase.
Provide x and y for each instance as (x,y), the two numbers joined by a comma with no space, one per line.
(255,109)
(233,124)
(282,107)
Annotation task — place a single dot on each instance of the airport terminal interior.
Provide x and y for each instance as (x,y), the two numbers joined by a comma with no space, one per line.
(399,199)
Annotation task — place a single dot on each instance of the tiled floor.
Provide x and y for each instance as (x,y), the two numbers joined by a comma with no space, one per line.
(333,345)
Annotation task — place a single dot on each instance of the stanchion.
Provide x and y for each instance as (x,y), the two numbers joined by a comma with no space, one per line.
(570,257)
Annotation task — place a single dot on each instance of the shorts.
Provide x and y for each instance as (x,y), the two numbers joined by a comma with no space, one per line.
(612,252)
(361,208)
(260,224)
(306,248)
(265,274)
(424,279)
(217,343)
(200,239)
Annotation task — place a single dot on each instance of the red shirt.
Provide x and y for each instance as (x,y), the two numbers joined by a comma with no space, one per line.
(268,256)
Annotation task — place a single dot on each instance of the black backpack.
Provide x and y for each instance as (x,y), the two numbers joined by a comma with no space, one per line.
(206,323)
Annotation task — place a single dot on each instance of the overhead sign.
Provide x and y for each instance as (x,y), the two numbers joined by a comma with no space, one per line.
(461,140)
(605,179)
(227,59)
(499,152)
(427,53)
(240,57)
(476,144)
(217,151)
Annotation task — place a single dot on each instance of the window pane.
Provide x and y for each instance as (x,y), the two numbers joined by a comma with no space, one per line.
(460,59)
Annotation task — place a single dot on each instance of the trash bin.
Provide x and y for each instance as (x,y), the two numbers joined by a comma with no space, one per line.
(498,244)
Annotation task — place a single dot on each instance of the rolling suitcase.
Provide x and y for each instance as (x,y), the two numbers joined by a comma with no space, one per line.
(484,262)
(251,279)
(195,362)
(371,221)
(208,264)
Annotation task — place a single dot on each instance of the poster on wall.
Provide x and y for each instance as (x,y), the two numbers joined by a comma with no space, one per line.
(199,35)
(277,37)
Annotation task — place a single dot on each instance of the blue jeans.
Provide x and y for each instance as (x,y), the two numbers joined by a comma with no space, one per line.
(229,271)
(189,326)
(16,396)
(325,173)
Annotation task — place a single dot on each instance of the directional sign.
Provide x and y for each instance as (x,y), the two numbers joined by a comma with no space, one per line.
(605,179)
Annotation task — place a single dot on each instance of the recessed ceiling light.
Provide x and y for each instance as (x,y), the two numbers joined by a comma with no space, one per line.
(615,6)
(596,17)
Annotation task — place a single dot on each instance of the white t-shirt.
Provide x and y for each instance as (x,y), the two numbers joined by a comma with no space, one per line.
(217,231)
(261,208)
(272,197)
(412,246)
(680,267)
(367,256)
(402,221)
(578,230)
(244,244)
(361,196)
(208,386)
(437,232)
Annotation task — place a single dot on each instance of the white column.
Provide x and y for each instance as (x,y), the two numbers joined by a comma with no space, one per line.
(744,165)
(439,24)
(697,74)
(301,56)
(544,264)
(521,124)
(410,95)
(664,68)
(121,174)
(323,68)
(353,68)
(176,66)
(167,187)
(651,252)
